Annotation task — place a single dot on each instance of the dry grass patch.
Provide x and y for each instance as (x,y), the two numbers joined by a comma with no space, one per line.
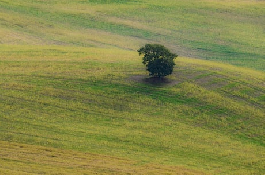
(28,159)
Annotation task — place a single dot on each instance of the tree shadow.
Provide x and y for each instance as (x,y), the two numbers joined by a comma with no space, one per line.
(154,81)
(157,81)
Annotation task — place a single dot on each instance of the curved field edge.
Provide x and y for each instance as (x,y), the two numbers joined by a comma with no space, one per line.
(207,115)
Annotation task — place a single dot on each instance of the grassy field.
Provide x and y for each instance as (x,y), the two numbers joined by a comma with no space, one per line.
(27,159)
(207,116)
(75,98)
(228,31)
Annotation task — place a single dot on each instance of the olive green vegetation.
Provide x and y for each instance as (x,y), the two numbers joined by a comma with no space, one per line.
(159,61)
(207,116)
(76,99)
(228,31)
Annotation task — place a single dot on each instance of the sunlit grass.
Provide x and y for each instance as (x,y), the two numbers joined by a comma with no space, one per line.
(74,97)
(87,99)
(228,31)
(24,159)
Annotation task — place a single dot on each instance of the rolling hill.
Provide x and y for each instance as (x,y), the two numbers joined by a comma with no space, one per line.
(75,98)
(231,31)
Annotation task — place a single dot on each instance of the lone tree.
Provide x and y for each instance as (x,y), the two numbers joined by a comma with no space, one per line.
(159,60)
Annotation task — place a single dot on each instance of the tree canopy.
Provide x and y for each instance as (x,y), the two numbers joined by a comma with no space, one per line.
(159,60)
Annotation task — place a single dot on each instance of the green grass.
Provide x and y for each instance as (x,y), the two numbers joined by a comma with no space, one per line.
(209,117)
(75,98)
(228,31)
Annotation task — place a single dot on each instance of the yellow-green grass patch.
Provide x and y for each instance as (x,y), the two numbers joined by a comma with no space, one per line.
(29,159)
(85,99)
(228,31)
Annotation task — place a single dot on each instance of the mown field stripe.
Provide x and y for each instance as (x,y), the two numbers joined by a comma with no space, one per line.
(36,159)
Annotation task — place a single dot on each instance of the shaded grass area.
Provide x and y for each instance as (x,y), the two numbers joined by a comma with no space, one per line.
(87,99)
(228,31)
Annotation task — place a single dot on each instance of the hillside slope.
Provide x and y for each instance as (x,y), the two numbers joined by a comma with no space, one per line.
(231,31)
(27,159)
(75,98)
(207,116)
